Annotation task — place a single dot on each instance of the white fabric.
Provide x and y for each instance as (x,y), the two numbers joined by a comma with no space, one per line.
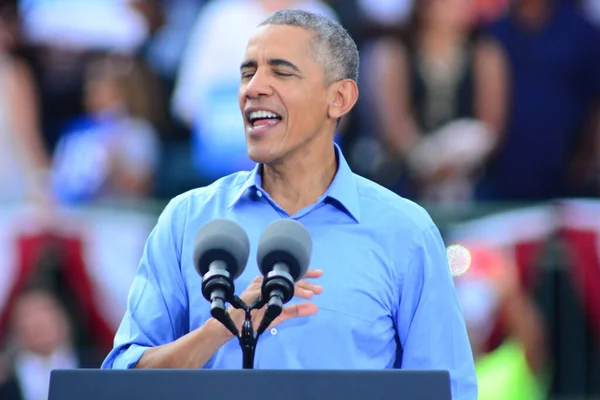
(505,229)
(33,371)
(582,215)
(479,301)
(112,245)
(89,24)
(113,242)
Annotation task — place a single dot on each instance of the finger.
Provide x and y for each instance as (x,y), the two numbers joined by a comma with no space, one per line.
(313,273)
(295,311)
(253,288)
(302,293)
(307,292)
(305,285)
(257,281)
(250,295)
(298,310)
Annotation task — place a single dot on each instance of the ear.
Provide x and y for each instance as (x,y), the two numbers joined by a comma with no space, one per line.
(344,95)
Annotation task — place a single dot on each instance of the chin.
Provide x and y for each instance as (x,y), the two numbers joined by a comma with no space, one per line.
(262,154)
(258,154)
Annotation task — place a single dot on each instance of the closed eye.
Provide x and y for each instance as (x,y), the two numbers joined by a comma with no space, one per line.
(284,74)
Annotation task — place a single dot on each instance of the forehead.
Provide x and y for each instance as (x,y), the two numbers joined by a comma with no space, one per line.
(280,41)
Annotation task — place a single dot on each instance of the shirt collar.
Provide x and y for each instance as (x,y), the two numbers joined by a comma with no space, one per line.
(342,190)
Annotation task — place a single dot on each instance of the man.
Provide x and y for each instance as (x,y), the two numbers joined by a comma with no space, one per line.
(385,296)
(43,341)
(207,84)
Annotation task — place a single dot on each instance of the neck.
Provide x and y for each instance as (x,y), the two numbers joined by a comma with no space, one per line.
(302,179)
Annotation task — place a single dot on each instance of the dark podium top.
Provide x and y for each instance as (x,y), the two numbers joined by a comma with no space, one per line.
(174,384)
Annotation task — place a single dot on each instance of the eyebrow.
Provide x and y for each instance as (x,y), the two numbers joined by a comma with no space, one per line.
(275,62)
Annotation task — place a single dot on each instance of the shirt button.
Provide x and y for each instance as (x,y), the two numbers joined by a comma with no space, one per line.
(258,193)
(273,331)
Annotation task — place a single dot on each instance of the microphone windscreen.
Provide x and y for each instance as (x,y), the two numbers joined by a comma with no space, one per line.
(288,241)
(224,240)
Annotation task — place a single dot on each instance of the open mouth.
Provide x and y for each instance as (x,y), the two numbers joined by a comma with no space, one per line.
(262,118)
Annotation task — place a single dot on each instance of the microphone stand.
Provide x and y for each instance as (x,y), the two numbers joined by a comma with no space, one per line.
(248,338)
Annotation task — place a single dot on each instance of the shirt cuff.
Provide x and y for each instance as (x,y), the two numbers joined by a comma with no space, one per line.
(130,357)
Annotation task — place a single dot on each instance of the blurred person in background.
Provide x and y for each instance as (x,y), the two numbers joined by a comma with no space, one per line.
(439,98)
(111,153)
(63,35)
(23,158)
(170,23)
(488,292)
(41,341)
(546,152)
(206,89)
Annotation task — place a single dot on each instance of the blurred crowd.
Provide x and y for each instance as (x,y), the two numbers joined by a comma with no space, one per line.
(129,102)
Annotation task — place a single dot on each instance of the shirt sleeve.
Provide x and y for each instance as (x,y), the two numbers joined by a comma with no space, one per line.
(430,322)
(157,304)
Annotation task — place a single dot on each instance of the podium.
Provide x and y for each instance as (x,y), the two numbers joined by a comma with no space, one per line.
(160,384)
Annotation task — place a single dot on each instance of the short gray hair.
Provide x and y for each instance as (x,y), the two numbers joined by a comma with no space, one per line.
(334,49)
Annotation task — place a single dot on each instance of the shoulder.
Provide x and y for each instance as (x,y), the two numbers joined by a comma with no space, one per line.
(210,197)
(403,229)
(387,209)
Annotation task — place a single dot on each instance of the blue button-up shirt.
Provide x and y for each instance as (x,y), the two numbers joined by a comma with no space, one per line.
(388,298)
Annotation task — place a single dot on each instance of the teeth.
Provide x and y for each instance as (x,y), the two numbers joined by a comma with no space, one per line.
(262,114)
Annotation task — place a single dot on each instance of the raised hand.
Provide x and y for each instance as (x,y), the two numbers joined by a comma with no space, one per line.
(304,290)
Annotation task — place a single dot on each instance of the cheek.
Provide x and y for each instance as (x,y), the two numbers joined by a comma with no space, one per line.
(241,99)
(301,122)
(310,108)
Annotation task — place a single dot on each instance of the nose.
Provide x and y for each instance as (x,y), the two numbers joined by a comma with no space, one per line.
(258,86)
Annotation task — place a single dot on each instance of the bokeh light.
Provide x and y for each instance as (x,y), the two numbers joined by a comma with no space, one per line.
(459,258)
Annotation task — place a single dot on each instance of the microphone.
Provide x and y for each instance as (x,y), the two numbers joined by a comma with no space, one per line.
(283,256)
(221,250)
